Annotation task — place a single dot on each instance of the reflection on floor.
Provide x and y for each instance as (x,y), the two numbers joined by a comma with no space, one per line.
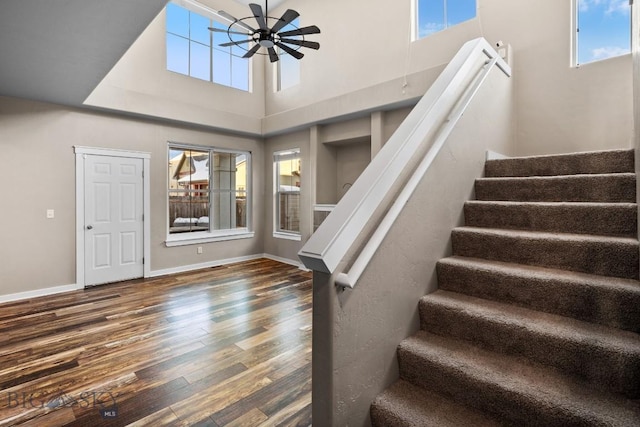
(229,345)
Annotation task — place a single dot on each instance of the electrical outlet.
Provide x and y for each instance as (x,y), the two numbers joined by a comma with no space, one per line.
(199,249)
(51,213)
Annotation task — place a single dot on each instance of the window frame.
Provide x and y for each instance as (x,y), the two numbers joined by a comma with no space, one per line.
(198,237)
(213,20)
(575,30)
(415,22)
(277,84)
(279,232)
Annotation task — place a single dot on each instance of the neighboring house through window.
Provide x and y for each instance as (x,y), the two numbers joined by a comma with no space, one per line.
(208,193)
(436,15)
(194,51)
(602,30)
(287,193)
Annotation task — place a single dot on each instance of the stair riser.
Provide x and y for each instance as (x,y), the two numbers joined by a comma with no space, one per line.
(611,220)
(606,258)
(404,405)
(596,188)
(511,407)
(582,359)
(591,163)
(607,306)
(383,418)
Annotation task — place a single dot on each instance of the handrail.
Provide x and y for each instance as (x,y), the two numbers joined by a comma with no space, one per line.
(434,116)
(349,280)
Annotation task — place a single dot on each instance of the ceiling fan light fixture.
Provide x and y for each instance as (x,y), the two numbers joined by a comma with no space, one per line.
(268,38)
(267,43)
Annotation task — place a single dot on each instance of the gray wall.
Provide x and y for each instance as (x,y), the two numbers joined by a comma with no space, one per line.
(332,154)
(552,98)
(140,83)
(36,142)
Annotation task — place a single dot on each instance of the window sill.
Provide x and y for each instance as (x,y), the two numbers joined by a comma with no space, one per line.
(287,236)
(191,239)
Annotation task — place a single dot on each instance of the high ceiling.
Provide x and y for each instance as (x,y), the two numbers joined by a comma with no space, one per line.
(272,3)
(58,51)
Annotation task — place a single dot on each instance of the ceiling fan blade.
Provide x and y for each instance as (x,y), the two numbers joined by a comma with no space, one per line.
(285,19)
(303,43)
(292,52)
(220,30)
(259,15)
(252,51)
(235,43)
(273,56)
(235,21)
(301,31)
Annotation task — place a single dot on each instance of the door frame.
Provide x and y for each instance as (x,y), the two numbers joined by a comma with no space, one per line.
(81,153)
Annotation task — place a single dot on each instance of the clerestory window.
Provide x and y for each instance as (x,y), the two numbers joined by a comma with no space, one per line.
(288,67)
(436,15)
(194,51)
(602,30)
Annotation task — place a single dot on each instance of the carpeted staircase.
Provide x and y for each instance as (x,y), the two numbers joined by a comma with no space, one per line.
(537,318)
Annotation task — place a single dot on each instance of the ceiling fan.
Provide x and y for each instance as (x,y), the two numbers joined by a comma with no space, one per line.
(289,41)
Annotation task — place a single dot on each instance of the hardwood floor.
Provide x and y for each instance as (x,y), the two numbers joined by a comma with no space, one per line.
(225,346)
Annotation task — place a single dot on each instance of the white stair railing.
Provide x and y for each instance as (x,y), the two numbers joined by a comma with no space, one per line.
(387,183)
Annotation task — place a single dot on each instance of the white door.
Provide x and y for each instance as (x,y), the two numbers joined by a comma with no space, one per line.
(113,220)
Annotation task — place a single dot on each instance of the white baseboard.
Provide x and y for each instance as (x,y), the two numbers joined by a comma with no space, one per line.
(217,263)
(298,264)
(492,155)
(192,267)
(38,293)
(182,269)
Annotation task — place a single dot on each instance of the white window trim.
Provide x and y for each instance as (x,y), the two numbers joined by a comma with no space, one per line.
(287,236)
(207,12)
(277,233)
(184,239)
(574,35)
(208,237)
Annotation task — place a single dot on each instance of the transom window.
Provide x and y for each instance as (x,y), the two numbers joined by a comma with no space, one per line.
(194,51)
(288,67)
(437,15)
(287,169)
(208,191)
(602,30)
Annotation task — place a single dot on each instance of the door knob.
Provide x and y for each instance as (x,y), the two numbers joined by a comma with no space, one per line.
(89,227)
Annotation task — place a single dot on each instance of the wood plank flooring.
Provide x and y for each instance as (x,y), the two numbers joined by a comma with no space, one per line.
(224,346)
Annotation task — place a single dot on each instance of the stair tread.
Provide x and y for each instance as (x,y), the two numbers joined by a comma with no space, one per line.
(519,379)
(596,218)
(566,155)
(540,323)
(528,234)
(606,187)
(604,300)
(578,176)
(545,273)
(404,404)
(508,203)
(619,160)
